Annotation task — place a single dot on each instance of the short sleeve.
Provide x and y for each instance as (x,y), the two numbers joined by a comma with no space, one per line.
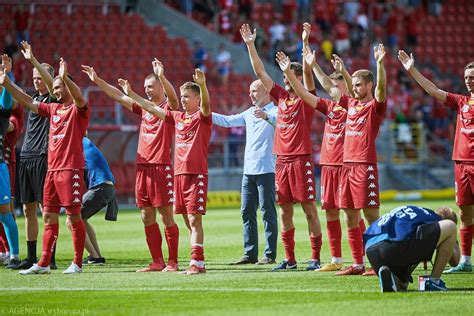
(136,108)
(170,116)
(381,107)
(324,105)
(278,93)
(206,119)
(44,109)
(453,100)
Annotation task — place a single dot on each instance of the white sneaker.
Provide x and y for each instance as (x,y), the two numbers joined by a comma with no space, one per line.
(6,261)
(36,269)
(73,268)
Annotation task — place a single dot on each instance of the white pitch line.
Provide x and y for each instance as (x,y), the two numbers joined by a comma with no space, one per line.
(174,289)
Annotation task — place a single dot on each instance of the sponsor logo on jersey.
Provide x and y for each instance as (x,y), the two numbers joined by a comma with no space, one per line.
(56,118)
(180,126)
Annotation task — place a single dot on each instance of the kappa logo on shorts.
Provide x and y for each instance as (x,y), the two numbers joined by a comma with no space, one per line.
(76,200)
(76,176)
(167,168)
(308,164)
(372,193)
(372,186)
(201,192)
(171,200)
(170,192)
(200,176)
(201,184)
(372,202)
(168,176)
(370,168)
(311,196)
(309,172)
(76,184)
(310,189)
(309,180)
(170,184)
(371,176)
(76,192)
(201,208)
(201,200)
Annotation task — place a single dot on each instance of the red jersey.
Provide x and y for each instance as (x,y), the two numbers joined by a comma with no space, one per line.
(463,149)
(293,125)
(362,126)
(193,133)
(155,139)
(332,148)
(11,138)
(67,127)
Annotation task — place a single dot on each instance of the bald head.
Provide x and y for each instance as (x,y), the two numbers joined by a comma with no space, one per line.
(258,94)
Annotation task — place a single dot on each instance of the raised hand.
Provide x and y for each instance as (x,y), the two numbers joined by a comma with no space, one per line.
(337,63)
(27,51)
(283,61)
(62,68)
(379,53)
(6,63)
(2,76)
(407,61)
(158,68)
(124,85)
(309,57)
(90,72)
(247,35)
(199,77)
(306,32)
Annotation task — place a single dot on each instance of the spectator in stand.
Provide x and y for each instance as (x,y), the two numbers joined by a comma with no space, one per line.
(199,56)
(391,27)
(187,7)
(350,10)
(277,35)
(435,7)
(362,20)
(9,48)
(19,70)
(22,24)
(327,47)
(341,30)
(245,7)
(223,60)
(303,10)
(411,28)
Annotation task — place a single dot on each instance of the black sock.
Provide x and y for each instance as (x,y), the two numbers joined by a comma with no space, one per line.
(31,251)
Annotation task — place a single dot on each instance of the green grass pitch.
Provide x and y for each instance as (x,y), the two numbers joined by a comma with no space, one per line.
(115,289)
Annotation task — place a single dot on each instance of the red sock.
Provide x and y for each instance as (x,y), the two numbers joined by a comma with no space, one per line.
(288,239)
(362,226)
(172,239)
(78,230)
(335,236)
(197,252)
(465,235)
(153,239)
(3,240)
(316,246)
(357,245)
(50,235)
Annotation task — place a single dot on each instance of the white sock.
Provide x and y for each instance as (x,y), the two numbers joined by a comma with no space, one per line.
(17,257)
(337,260)
(466,259)
(435,280)
(358,265)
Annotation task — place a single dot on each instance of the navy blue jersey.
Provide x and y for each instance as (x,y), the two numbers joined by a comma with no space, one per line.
(97,169)
(399,224)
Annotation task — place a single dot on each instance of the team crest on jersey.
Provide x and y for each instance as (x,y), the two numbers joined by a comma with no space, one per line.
(283,106)
(465,108)
(352,111)
(56,118)
(148,116)
(180,126)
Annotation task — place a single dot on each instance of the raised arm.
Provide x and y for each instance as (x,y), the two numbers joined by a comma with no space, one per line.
(45,75)
(143,103)
(200,79)
(73,89)
(255,60)
(326,82)
(381,87)
(18,94)
(409,63)
(107,88)
(284,63)
(159,70)
(308,79)
(338,65)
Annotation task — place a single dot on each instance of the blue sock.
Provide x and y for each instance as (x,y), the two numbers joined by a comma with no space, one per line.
(11,230)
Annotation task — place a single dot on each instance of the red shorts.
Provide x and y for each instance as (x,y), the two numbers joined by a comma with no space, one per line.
(154,185)
(330,178)
(64,188)
(294,179)
(359,186)
(12,171)
(190,194)
(464,183)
